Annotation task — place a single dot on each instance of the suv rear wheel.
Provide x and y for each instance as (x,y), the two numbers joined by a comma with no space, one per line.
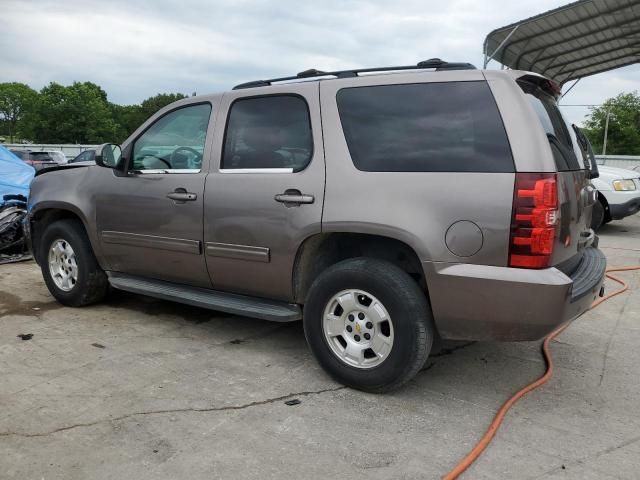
(368,324)
(69,267)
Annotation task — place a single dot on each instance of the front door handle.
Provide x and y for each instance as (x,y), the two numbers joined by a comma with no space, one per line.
(293,198)
(180,195)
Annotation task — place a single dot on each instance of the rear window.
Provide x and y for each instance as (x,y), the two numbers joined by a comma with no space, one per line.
(425,127)
(41,156)
(554,126)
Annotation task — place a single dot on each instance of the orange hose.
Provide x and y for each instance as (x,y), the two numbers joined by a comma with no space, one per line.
(486,439)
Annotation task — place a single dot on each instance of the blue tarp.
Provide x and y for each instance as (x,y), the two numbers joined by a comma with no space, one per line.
(15,175)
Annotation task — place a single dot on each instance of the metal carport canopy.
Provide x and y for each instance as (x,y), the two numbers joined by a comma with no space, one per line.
(579,39)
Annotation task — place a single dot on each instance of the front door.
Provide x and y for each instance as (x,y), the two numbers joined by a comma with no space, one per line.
(265,192)
(150,220)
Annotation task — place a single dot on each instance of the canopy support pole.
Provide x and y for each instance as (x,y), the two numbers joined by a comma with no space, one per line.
(571,87)
(487,59)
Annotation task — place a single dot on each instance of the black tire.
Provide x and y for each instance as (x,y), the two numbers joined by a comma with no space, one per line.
(92,284)
(408,309)
(597,215)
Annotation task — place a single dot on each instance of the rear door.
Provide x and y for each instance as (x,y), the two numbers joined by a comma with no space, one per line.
(575,192)
(265,192)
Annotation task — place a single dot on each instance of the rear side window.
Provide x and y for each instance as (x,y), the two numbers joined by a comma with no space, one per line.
(268,132)
(553,125)
(426,127)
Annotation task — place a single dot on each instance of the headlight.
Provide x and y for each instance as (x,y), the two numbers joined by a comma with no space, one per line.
(623,185)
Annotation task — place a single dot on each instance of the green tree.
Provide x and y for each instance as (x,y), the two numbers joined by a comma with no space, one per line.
(623,136)
(130,117)
(127,118)
(152,104)
(15,100)
(78,113)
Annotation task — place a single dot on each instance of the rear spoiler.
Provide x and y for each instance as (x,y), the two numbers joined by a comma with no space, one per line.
(549,86)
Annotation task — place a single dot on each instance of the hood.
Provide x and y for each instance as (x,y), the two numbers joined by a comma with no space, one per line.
(65,166)
(615,172)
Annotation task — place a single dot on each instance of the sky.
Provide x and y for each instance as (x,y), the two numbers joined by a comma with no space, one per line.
(135,49)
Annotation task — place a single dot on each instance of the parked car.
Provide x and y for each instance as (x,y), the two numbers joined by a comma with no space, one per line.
(41,159)
(618,195)
(86,156)
(384,210)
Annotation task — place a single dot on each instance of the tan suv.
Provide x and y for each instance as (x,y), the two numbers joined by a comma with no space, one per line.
(384,207)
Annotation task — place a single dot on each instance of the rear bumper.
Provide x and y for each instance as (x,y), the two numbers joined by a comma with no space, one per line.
(479,302)
(620,210)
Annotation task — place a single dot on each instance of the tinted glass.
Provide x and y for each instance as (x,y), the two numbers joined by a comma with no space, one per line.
(175,141)
(428,127)
(41,157)
(19,154)
(554,126)
(268,132)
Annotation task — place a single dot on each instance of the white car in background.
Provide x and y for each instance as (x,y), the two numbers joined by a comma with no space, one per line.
(618,195)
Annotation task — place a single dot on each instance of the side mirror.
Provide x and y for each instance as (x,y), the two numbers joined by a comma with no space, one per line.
(108,155)
(589,157)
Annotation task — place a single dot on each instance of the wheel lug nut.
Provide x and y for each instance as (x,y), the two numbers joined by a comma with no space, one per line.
(356,338)
(369,325)
(361,316)
(367,336)
(351,318)
(349,329)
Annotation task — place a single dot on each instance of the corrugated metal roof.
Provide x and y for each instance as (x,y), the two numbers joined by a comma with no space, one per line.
(579,39)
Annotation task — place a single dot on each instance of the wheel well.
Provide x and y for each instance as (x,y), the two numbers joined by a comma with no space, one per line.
(41,220)
(319,252)
(605,204)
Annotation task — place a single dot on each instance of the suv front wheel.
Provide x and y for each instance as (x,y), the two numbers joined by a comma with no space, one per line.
(69,267)
(368,324)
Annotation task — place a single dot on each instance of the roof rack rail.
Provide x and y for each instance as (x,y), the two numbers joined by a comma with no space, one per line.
(435,63)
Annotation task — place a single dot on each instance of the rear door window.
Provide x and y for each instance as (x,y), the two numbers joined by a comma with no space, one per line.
(425,127)
(554,126)
(268,132)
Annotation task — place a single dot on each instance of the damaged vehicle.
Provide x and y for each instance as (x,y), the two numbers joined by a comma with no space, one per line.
(384,207)
(14,189)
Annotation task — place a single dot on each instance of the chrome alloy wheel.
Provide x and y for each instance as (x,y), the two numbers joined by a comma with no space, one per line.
(358,328)
(62,265)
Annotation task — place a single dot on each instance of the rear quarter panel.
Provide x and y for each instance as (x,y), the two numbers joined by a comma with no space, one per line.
(415,207)
(532,153)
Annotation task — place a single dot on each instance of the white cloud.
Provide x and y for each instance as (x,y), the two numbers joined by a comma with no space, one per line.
(135,49)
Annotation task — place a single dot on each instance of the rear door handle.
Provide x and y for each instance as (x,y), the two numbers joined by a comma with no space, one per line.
(180,195)
(293,197)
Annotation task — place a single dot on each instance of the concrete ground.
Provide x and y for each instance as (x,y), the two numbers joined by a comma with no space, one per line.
(146,389)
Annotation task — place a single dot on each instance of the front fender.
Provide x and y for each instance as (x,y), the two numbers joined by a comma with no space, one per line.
(62,194)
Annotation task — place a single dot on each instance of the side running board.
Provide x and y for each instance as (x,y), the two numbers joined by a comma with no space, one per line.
(212,299)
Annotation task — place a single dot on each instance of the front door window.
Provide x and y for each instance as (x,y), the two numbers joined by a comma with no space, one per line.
(175,142)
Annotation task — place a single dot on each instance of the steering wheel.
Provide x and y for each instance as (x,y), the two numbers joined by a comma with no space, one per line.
(198,155)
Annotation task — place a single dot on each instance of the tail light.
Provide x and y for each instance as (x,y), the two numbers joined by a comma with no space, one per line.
(534,222)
